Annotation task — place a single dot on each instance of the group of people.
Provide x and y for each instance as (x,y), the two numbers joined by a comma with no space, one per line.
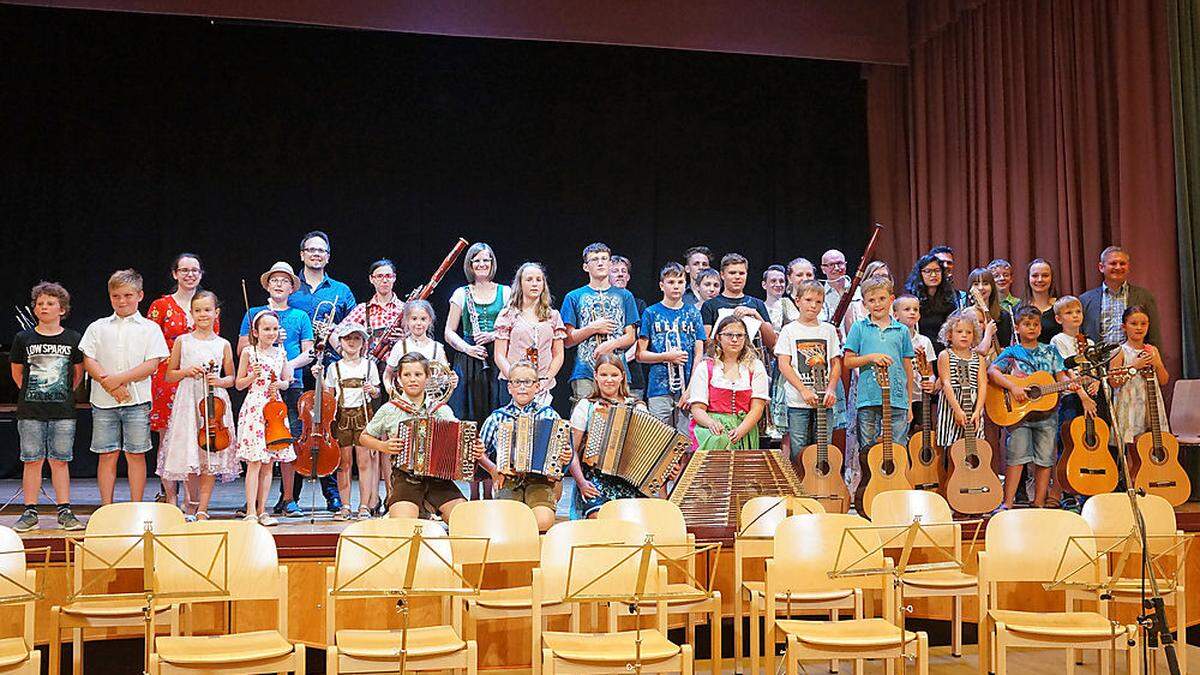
(727,369)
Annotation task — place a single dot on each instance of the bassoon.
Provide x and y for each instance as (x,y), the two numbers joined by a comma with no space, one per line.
(380,350)
(844,303)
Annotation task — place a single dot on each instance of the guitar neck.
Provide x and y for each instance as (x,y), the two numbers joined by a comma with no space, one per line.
(964,379)
(1152,393)
(822,421)
(885,420)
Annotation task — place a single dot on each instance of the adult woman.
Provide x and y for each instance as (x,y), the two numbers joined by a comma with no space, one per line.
(1042,294)
(928,283)
(728,391)
(173,314)
(476,306)
(382,312)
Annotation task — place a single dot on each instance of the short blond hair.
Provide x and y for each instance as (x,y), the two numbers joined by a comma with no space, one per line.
(805,287)
(875,284)
(523,364)
(905,298)
(125,278)
(1065,302)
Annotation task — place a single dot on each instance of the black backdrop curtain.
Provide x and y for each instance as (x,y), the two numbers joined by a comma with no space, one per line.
(129,138)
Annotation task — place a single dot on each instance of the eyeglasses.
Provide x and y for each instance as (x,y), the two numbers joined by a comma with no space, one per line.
(523,384)
(838,263)
(383,277)
(931,272)
(189,271)
(733,336)
(313,250)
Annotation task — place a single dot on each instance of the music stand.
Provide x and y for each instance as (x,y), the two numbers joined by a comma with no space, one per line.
(412,547)
(646,556)
(909,534)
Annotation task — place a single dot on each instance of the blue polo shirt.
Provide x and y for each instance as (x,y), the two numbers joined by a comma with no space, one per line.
(298,327)
(306,299)
(867,338)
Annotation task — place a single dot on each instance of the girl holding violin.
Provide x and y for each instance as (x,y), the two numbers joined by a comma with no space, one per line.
(197,445)
(264,369)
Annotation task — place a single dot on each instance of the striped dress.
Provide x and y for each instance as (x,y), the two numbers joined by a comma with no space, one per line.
(948,430)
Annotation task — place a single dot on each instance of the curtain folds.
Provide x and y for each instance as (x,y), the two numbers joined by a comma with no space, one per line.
(1184,23)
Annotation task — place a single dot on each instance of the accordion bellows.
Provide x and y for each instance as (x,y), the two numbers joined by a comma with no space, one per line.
(437,448)
(627,441)
(528,445)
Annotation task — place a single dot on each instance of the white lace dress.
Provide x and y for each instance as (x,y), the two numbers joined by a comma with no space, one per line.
(180,455)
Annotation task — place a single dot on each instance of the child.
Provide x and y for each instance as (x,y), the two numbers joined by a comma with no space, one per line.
(961,335)
(418,320)
(678,322)
(803,339)
(618,276)
(120,353)
(263,368)
(197,357)
(1131,392)
(408,492)
(907,310)
(708,283)
(1001,271)
(696,259)
(879,341)
(1032,440)
(47,366)
(997,323)
(599,318)
(780,307)
(354,381)
(728,391)
(734,301)
(529,329)
(535,490)
(593,487)
(1068,312)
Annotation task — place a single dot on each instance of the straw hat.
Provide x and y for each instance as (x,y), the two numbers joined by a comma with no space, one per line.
(283,267)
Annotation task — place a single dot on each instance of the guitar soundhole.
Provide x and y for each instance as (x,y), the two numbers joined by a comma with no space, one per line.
(926,456)
(888,467)
(822,467)
(1158,455)
(1090,440)
(972,462)
(1033,393)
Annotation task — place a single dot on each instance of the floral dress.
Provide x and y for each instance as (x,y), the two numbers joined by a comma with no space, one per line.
(174,322)
(251,429)
(610,487)
(1130,403)
(180,454)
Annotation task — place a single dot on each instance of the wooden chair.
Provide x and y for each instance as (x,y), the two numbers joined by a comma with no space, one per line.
(18,655)
(664,520)
(112,542)
(378,559)
(1036,545)
(900,508)
(809,547)
(247,566)
(612,652)
(1111,519)
(513,537)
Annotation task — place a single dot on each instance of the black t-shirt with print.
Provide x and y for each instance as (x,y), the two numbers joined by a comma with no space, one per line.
(47,392)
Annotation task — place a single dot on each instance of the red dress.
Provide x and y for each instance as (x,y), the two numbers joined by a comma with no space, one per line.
(174,322)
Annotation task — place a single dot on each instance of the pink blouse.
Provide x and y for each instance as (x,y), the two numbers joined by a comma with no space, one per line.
(521,334)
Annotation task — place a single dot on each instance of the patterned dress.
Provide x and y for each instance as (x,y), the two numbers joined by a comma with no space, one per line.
(610,487)
(251,429)
(180,455)
(174,322)
(1130,402)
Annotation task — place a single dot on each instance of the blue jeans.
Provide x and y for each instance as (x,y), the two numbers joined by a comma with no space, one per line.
(122,428)
(41,439)
(800,429)
(869,418)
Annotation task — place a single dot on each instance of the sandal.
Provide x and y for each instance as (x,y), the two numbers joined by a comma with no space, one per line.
(364,513)
(202,515)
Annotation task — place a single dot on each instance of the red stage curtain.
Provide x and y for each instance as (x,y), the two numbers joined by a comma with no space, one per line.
(1035,128)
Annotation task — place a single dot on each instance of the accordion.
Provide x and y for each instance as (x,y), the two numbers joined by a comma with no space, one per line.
(528,445)
(627,441)
(437,448)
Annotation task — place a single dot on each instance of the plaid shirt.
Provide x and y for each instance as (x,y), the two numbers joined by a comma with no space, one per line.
(536,409)
(1113,304)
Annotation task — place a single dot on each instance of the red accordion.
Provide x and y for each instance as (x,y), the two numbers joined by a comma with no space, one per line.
(437,448)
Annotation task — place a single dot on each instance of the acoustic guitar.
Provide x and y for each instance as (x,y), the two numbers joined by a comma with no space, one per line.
(1157,451)
(1086,466)
(883,467)
(822,461)
(927,460)
(973,487)
(1041,389)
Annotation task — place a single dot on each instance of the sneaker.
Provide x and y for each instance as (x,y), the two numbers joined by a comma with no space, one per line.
(267,520)
(334,505)
(239,511)
(292,510)
(250,518)
(68,521)
(279,506)
(28,521)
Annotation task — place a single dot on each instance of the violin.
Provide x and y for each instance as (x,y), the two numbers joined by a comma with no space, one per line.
(212,435)
(318,452)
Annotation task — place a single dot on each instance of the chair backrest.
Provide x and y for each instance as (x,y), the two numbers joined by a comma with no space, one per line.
(1185,408)
(1036,545)
(810,545)
(372,555)
(510,526)
(799,505)
(114,532)
(1111,519)
(658,517)
(761,515)
(233,554)
(902,507)
(563,562)
(12,564)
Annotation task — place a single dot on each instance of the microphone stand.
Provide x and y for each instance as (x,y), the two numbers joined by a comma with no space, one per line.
(1154,621)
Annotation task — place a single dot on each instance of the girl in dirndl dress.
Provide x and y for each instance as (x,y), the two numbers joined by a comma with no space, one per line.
(729,391)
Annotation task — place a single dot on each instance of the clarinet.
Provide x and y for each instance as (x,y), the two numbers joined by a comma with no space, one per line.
(473,315)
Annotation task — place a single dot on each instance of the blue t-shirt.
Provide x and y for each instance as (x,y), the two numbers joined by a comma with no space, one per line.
(656,322)
(583,306)
(298,327)
(307,299)
(894,340)
(1027,361)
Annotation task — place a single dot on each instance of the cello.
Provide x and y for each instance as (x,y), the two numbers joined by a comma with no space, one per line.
(317,451)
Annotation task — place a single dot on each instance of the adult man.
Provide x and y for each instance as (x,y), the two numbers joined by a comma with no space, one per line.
(695,259)
(315,288)
(1103,306)
(833,265)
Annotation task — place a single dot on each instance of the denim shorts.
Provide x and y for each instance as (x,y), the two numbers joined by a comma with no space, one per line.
(124,428)
(1033,442)
(41,439)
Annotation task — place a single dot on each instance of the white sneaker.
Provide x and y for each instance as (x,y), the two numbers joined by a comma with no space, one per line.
(250,518)
(267,520)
